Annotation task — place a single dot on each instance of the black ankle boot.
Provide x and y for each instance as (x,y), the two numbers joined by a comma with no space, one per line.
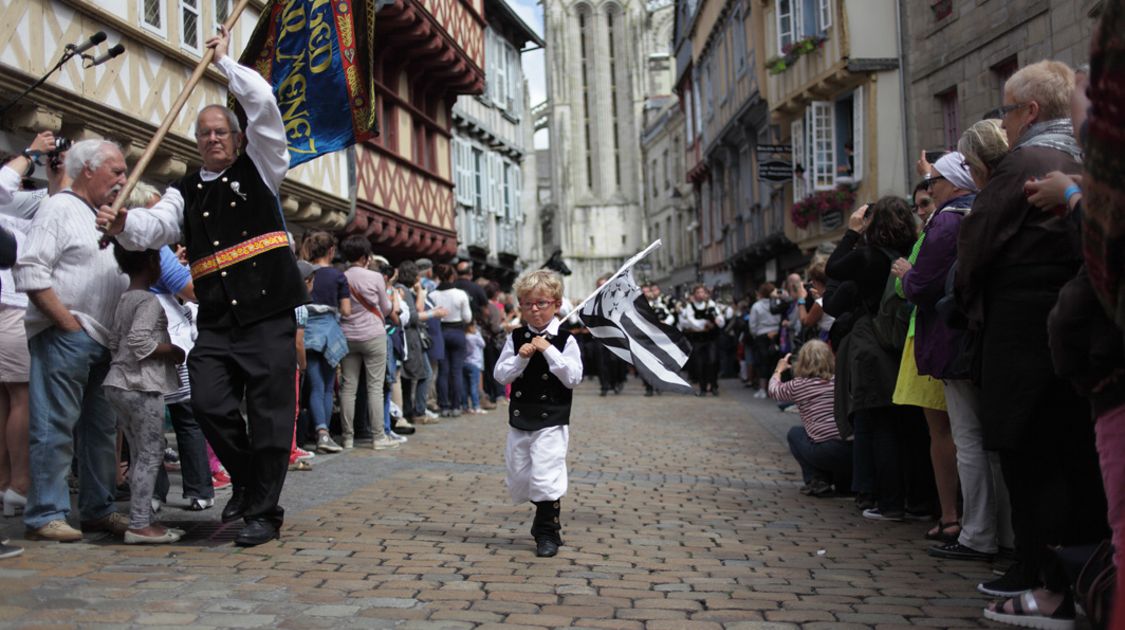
(545,528)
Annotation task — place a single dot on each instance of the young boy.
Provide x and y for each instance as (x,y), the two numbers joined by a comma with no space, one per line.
(542,370)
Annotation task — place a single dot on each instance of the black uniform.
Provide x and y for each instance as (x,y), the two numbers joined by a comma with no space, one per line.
(248,285)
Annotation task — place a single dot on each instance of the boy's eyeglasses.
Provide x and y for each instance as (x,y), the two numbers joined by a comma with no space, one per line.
(537,306)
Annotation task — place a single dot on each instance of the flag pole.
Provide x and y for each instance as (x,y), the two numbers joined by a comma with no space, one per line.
(173,112)
(553,327)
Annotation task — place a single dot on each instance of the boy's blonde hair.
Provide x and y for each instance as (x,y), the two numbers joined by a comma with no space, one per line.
(815,360)
(543,280)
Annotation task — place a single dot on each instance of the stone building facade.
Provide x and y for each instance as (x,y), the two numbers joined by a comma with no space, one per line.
(962,51)
(493,152)
(835,93)
(596,87)
(669,199)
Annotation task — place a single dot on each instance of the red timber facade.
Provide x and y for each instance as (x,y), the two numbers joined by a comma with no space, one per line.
(429,52)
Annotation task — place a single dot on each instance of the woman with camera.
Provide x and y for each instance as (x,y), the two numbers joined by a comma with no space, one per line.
(888,462)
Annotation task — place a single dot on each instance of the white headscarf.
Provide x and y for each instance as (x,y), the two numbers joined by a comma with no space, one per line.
(955,170)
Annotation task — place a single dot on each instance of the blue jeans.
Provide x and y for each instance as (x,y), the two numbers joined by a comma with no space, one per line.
(472,384)
(322,377)
(68,404)
(418,393)
(194,469)
(451,385)
(830,460)
(388,383)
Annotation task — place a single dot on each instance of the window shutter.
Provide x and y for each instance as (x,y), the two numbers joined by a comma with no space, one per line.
(455,157)
(797,140)
(858,133)
(798,19)
(825,11)
(497,183)
(517,189)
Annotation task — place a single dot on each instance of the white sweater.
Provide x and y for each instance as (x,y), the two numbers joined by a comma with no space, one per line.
(61,253)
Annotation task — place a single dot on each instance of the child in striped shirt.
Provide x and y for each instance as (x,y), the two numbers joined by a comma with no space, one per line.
(825,458)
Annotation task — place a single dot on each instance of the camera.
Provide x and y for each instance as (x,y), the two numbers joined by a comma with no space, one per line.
(54,156)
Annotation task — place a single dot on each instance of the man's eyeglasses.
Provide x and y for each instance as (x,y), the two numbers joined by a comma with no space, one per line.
(1002,111)
(537,306)
(221,134)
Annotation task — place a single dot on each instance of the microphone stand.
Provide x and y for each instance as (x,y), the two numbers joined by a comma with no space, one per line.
(66,56)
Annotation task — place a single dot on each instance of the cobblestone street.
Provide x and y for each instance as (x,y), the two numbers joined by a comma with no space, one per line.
(682,513)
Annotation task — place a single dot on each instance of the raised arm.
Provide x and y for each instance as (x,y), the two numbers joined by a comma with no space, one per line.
(265,132)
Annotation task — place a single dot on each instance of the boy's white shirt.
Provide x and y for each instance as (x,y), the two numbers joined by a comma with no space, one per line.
(565,365)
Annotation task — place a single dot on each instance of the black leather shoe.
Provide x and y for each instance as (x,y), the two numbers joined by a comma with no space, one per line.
(546,548)
(236,506)
(256,532)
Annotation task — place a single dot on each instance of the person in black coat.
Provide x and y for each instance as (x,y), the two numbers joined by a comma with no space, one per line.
(889,450)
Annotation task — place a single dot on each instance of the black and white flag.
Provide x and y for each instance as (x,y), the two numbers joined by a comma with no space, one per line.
(620,317)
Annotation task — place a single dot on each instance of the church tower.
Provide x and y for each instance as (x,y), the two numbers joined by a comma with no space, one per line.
(596,83)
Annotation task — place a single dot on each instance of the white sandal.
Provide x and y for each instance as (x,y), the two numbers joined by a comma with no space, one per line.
(1026,614)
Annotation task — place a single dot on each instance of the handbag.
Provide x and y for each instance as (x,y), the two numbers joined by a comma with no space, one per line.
(1095,584)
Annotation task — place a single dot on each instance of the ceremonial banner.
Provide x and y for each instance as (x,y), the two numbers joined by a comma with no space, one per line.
(318,56)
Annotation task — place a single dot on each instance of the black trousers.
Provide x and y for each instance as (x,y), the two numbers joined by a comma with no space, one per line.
(256,362)
(705,362)
(1055,488)
(611,370)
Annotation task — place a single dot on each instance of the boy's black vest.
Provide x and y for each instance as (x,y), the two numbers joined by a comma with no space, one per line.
(238,248)
(539,399)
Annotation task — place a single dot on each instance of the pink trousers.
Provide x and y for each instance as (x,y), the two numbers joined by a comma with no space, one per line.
(1110,429)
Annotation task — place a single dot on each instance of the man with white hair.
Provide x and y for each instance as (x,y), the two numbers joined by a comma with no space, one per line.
(246,279)
(74,287)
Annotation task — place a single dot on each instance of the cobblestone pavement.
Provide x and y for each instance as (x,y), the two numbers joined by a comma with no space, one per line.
(682,513)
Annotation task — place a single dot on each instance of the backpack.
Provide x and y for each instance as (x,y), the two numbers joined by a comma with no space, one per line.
(892,319)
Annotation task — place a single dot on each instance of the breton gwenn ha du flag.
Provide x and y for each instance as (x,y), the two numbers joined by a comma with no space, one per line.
(619,316)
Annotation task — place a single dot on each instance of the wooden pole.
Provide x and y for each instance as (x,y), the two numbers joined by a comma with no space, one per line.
(174,112)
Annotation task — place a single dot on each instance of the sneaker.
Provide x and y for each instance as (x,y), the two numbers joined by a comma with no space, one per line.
(431,413)
(401,439)
(876,514)
(957,551)
(761,393)
(9,551)
(349,442)
(864,501)
(403,423)
(300,453)
(487,404)
(171,459)
(220,479)
(920,517)
(820,488)
(1010,584)
(198,505)
(325,444)
(113,523)
(383,443)
(57,531)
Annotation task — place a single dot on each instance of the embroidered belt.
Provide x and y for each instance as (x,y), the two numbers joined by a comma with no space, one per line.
(239,253)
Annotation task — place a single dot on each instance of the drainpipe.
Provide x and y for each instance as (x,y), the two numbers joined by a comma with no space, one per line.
(353,183)
(903,67)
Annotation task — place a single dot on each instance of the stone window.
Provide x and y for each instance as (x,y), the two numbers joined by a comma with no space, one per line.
(950,118)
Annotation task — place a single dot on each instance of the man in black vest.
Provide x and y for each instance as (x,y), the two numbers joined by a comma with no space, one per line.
(247,283)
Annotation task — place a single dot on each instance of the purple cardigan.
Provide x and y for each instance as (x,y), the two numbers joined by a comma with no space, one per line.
(934,342)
